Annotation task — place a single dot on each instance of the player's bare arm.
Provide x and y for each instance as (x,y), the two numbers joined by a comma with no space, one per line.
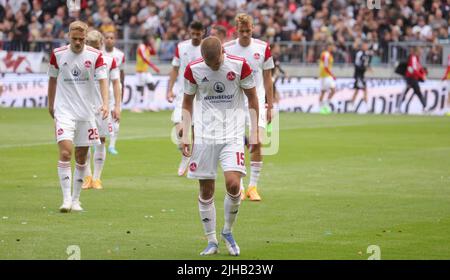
(105,97)
(117,100)
(172,78)
(122,82)
(51,96)
(188,102)
(268,86)
(254,113)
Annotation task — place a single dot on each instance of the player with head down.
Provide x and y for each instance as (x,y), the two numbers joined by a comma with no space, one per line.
(219,82)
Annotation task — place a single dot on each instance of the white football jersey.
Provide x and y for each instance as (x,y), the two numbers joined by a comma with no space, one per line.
(220,109)
(112,73)
(75,90)
(259,57)
(184,54)
(119,56)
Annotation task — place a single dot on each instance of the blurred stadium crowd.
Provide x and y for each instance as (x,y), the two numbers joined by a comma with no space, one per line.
(25,24)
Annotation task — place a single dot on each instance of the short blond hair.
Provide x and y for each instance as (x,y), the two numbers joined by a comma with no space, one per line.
(243,18)
(94,36)
(78,25)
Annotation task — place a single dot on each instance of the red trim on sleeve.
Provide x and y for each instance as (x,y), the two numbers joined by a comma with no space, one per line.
(267,53)
(246,70)
(188,74)
(99,62)
(113,64)
(123,59)
(53,60)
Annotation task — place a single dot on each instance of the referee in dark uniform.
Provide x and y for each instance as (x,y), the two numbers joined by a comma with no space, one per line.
(362,63)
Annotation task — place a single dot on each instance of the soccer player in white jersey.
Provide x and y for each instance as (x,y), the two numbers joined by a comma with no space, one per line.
(95,40)
(218,82)
(258,55)
(185,52)
(119,56)
(71,93)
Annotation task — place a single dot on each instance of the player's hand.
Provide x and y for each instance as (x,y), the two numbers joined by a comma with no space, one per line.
(186,150)
(170,96)
(52,112)
(105,111)
(269,113)
(156,70)
(116,113)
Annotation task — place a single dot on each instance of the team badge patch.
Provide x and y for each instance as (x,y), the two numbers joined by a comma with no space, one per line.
(87,64)
(192,166)
(256,56)
(60,132)
(231,76)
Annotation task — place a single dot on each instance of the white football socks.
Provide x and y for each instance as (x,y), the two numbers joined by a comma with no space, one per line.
(99,160)
(207,211)
(255,170)
(231,209)
(65,179)
(88,163)
(78,176)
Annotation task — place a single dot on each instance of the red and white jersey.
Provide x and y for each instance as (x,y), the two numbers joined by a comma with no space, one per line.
(119,57)
(184,54)
(259,57)
(220,100)
(75,90)
(112,73)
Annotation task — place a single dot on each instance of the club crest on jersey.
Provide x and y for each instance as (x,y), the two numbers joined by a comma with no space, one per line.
(231,76)
(219,87)
(192,166)
(60,131)
(256,56)
(87,64)
(76,71)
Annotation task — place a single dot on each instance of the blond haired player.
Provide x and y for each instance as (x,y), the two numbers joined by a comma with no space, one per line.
(326,77)
(185,52)
(257,54)
(119,56)
(71,102)
(218,82)
(95,40)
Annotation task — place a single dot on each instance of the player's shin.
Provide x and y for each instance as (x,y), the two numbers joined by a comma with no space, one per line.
(99,160)
(65,179)
(78,176)
(231,209)
(207,211)
(255,170)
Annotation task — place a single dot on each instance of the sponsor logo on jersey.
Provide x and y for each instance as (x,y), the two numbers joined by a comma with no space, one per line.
(231,76)
(192,166)
(205,80)
(87,64)
(256,56)
(76,71)
(219,87)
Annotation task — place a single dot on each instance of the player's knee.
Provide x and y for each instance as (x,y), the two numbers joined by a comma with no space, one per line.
(206,194)
(233,185)
(65,155)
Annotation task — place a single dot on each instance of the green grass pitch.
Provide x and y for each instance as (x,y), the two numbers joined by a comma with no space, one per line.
(338,184)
